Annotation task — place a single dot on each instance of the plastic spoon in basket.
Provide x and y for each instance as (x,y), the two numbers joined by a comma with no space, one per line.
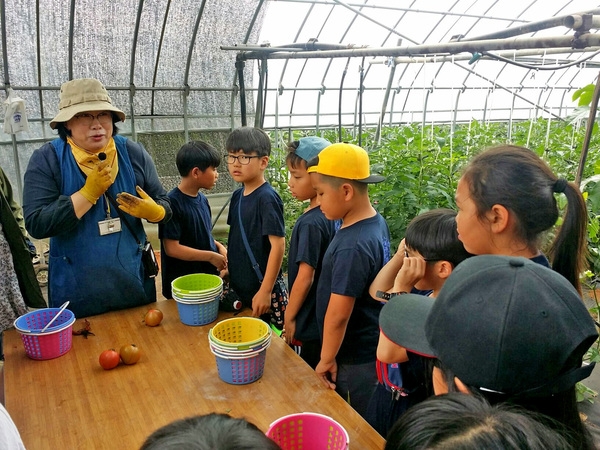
(62,308)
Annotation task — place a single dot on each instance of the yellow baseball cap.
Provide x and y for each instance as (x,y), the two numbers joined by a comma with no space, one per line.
(344,160)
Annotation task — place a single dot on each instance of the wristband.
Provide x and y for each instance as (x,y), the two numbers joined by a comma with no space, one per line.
(388,295)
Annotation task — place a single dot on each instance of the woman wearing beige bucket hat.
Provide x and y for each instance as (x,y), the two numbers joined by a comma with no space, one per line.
(69,195)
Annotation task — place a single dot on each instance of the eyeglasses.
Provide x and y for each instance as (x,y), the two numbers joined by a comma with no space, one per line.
(244,160)
(87,119)
(406,255)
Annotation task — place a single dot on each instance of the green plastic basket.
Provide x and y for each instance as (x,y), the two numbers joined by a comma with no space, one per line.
(196,283)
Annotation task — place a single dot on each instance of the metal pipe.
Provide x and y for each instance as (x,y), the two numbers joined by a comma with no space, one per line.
(136,32)
(386,97)
(577,21)
(71,33)
(235,89)
(188,63)
(412,10)
(132,67)
(259,112)
(588,131)
(38,44)
(530,27)
(361,78)
(4,49)
(308,46)
(376,22)
(7,87)
(506,54)
(584,41)
(239,65)
(158,51)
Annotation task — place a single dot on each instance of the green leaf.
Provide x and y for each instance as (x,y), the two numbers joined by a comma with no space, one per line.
(585,95)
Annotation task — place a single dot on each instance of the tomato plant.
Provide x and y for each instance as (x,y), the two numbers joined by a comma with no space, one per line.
(109,359)
(153,317)
(130,353)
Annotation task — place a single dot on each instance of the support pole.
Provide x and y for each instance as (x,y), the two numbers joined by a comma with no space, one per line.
(588,131)
(239,65)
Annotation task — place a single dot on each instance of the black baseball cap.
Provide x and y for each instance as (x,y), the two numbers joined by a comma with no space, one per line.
(402,321)
(509,325)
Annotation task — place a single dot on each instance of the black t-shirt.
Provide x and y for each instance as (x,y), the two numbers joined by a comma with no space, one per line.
(310,238)
(351,262)
(262,216)
(191,226)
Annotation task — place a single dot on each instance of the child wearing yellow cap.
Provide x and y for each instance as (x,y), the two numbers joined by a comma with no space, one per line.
(348,318)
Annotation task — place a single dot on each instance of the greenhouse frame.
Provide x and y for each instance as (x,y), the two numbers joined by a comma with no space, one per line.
(422,86)
(183,67)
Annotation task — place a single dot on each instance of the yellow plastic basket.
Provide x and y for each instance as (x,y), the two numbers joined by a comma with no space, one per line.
(239,332)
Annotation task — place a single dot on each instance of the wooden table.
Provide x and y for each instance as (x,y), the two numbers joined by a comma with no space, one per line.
(71,402)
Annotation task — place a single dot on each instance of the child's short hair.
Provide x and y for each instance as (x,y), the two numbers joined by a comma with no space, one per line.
(470,422)
(336,182)
(249,140)
(212,431)
(196,154)
(433,234)
(292,159)
(302,151)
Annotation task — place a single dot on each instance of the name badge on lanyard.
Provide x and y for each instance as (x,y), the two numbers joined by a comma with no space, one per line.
(109,226)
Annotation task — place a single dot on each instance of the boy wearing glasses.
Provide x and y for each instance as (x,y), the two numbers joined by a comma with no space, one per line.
(425,259)
(255,216)
(187,244)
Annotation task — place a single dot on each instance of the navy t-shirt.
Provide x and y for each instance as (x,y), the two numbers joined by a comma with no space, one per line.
(191,226)
(351,262)
(262,216)
(310,238)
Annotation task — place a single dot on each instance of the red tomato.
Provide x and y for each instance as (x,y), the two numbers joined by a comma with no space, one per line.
(109,359)
(130,354)
(153,317)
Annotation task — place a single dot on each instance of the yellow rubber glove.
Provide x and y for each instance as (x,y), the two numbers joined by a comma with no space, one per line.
(97,182)
(142,208)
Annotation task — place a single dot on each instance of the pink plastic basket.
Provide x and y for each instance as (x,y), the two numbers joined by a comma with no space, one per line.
(308,431)
(55,341)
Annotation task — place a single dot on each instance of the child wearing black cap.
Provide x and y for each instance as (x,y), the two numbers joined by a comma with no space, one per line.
(311,236)
(347,316)
(510,329)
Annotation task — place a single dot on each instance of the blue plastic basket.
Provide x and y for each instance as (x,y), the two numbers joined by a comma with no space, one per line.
(197,314)
(241,371)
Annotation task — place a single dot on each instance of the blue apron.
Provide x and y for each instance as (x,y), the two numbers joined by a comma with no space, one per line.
(96,273)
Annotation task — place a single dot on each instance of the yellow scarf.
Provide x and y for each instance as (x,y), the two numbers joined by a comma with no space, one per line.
(88,161)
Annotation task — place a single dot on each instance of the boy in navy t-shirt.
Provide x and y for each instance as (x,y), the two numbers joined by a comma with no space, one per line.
(347,316)
(187,244)
(311,236)
(261,211)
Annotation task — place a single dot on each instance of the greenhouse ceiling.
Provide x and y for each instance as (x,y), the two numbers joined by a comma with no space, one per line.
(194,65)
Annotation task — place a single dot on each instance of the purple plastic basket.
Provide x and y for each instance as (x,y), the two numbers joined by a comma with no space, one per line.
(241,371)
(55,341)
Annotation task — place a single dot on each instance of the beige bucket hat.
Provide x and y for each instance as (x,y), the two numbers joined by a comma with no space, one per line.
(83,94)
